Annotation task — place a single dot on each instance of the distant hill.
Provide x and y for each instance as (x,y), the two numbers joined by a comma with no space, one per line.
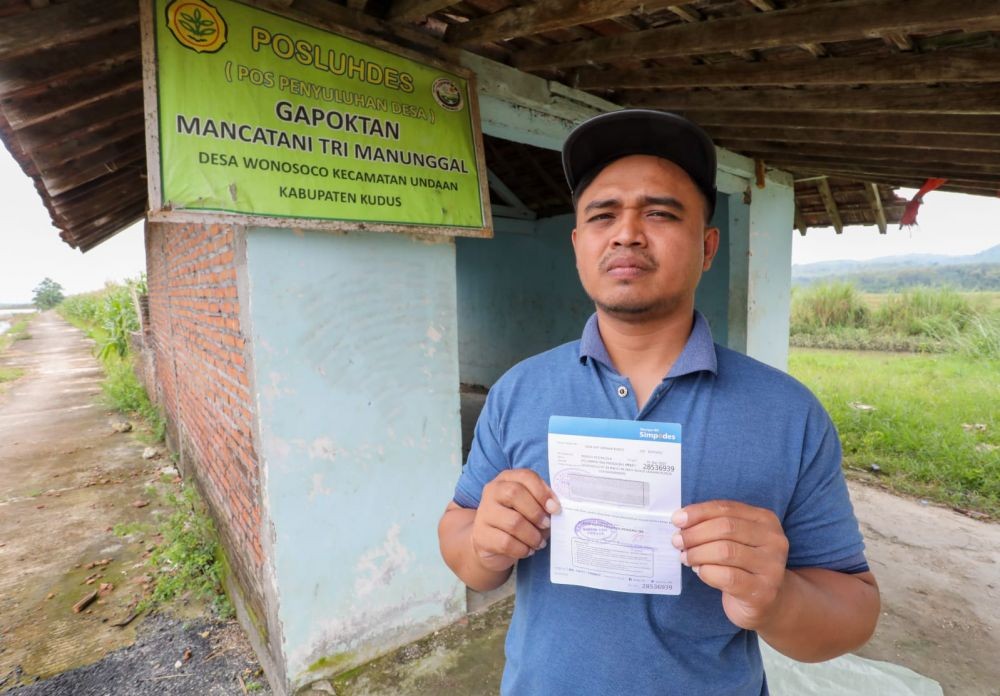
(979,271)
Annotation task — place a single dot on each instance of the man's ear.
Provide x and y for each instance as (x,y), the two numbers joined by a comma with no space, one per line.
(711,242)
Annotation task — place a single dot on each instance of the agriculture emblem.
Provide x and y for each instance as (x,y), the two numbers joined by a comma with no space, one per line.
(196,25)
(447,94)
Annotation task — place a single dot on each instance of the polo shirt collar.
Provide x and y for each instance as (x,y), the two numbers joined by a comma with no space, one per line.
(698,354)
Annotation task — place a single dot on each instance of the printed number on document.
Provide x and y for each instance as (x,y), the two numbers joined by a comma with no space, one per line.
(618,483)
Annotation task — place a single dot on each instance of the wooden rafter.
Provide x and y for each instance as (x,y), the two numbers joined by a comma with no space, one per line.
(841,21)
(851,138)
(875,201)
(858,122)
(81,20)
(800,221)
(830,204)
(412,10)
(691,15)
(865,151)
(816,49)
(828,165)
(930,100)
(535,18)
(938,66)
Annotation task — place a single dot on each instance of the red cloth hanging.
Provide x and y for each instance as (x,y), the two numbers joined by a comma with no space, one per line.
(909,218)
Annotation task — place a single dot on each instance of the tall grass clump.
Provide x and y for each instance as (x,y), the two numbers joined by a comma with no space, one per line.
(828,306)
(923,312)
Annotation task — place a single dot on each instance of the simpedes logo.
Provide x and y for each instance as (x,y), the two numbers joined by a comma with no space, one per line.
(196,25)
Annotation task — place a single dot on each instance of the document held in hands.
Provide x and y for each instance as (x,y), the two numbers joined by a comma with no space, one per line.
(618,483)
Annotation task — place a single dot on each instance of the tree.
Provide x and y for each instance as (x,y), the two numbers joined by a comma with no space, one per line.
(48,294)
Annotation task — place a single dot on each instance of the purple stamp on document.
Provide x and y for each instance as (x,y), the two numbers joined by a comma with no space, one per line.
(595,529)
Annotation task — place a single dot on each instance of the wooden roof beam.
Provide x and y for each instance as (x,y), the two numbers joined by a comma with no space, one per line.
(851,138)
(812,121)
(816,49)
(48,27)
(962,186)
(938,66)
(928,100)
(865,151)
(691,15)
(875,201)
(831,205)
(984,175)
(539,17)
(412,10)
(57,103)
(899,40)
(840,21)
(65,64)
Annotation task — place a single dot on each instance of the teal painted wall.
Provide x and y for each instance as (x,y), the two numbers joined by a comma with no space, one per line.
(712,297)
(518,295)
(356,380)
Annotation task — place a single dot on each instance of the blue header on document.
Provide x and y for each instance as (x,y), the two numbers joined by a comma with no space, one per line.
(621,429)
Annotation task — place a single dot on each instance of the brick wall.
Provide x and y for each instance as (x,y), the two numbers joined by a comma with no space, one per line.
(202,382)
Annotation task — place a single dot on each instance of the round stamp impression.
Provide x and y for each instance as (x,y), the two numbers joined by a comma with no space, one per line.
(595,529)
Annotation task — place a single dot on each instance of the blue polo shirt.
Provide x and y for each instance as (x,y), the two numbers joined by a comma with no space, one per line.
(751,433)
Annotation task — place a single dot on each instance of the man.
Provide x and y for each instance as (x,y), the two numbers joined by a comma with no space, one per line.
(769,541)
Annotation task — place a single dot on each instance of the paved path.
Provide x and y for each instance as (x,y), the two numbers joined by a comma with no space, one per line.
(66,478)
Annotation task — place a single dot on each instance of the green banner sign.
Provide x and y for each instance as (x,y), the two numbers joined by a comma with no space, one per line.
(266,116)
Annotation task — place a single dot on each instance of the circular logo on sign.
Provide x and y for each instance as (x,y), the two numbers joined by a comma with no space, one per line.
(196,25)
(447,94)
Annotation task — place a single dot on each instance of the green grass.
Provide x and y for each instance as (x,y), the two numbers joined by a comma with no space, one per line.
(915,434)
(938,320)
(9,374)
(189,561)
(124,393)
(18,331)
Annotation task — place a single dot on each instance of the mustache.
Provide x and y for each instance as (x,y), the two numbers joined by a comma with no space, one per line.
(637,257)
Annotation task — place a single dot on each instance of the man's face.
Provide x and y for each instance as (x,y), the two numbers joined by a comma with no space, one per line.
(641,241)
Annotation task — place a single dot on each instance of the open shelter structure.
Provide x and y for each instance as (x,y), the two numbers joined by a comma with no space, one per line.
(319,387)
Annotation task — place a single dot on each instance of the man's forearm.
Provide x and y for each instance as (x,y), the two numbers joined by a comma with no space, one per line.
(822,614)
(455,537)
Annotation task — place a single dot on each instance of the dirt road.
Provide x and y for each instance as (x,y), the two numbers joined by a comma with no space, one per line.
(939,573)
(67,479)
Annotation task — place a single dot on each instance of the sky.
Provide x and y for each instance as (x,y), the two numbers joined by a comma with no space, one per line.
(31,250)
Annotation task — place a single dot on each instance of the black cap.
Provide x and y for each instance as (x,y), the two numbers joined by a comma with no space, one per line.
(599,141)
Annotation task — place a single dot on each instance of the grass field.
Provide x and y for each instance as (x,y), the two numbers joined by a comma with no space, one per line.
(934,431)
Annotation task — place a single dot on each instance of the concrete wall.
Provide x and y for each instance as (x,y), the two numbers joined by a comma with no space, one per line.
(356,373)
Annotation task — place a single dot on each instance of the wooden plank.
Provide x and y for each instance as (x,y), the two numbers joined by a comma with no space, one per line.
(811,121)
(80,121)
(984,175)
(35,75)
(899,40)
(539,17)
(875,201)
(56,103)
(929,100)
(864,150)
(816,49)
(33,32)
(830,204)
(81,147)
(59,182)
(938,66)
(800,221)
(412,10)
(109,230)
(841,21)
(961,185)
(885,139)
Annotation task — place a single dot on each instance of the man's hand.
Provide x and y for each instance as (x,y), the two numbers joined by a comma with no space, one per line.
(512,521)
(738,549)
